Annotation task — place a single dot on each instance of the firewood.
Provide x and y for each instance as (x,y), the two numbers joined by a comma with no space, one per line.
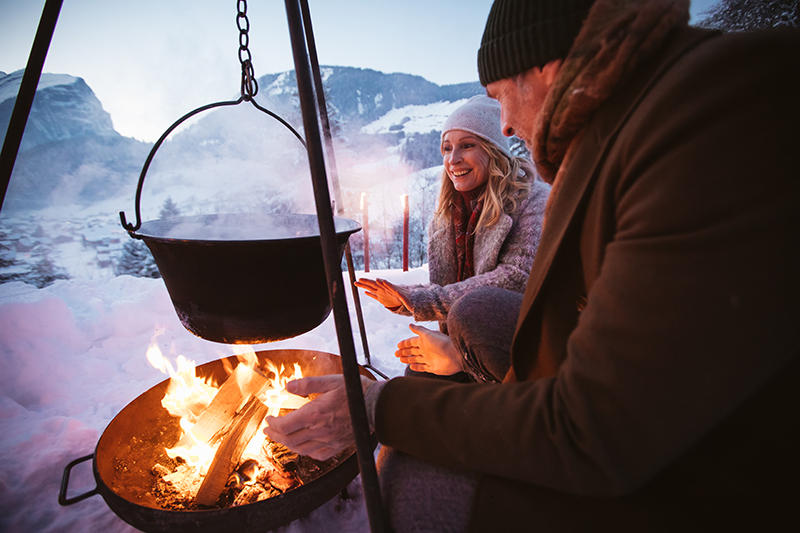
(281,457)
(281,481)
(230,451)
(249,494)
(241,385)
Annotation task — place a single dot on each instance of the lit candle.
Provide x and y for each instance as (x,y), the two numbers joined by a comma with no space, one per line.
(365,223)
(405,232)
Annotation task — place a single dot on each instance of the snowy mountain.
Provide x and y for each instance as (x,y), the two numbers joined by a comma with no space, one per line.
(361,96)
(74,172)
(70,153)
(64,108)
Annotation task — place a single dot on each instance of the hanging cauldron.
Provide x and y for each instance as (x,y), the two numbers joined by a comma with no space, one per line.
(135,440)
(241,278)
(244,278)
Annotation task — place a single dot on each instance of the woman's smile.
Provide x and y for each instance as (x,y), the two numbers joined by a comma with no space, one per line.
(465,160)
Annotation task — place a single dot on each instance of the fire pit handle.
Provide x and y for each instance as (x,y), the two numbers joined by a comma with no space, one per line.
(62,494)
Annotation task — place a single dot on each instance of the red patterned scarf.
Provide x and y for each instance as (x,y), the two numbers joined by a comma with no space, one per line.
(466,212)
(618,36)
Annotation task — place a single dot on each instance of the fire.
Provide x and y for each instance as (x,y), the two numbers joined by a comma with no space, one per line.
(276,397)
(189,396)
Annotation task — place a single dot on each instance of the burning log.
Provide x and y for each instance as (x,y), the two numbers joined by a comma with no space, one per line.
(243,429)
(281,457)
(254,493)
(240,386)
(279,481)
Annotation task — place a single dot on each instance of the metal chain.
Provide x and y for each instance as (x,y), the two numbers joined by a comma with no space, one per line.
(249,83)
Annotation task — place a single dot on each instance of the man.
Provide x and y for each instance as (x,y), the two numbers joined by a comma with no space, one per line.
(654,378)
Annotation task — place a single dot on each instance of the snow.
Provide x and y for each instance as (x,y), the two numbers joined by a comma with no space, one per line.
(9,88)
(413,118)
(73,356)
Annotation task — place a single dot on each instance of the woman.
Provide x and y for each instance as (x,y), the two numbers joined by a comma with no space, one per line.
(484,232)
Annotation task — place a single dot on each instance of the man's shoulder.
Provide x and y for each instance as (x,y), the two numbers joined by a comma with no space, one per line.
(775,48)
(698,66)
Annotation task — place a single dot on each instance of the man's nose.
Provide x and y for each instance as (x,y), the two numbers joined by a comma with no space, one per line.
(508,131)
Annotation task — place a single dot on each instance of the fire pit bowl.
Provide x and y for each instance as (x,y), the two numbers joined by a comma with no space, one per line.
(244,278)
(135,439)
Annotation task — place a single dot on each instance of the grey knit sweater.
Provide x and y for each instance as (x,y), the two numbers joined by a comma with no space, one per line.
(503,257)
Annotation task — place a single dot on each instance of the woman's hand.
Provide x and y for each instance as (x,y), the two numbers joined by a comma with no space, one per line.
(431,351)
(384,292)
(321,428)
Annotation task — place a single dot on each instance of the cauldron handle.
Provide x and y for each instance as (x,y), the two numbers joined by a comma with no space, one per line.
(62,494)
(131,228)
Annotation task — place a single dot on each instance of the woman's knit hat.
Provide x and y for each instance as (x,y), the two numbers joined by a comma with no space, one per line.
(522,34)
(480,116)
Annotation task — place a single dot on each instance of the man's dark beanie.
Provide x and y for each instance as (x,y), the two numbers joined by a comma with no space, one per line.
(522,34)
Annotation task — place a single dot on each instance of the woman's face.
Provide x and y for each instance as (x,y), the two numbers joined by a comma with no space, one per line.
(465,160)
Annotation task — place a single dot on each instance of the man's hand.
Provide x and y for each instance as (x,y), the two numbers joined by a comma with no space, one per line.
(388,294)
(321,428)
(431,351)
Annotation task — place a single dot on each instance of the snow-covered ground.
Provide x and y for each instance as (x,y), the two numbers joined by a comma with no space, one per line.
(73,356)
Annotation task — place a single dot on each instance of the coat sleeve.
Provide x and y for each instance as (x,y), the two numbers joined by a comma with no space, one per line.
(694,307)
(509,255)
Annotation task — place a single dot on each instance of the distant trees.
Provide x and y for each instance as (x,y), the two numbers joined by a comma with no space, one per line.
(136,260)
(169,209)
(41,274)
(518,147)
(749,15)
(421,150)
(45,272)
(5,264)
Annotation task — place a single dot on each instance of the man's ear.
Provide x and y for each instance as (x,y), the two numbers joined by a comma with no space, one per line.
(550,71)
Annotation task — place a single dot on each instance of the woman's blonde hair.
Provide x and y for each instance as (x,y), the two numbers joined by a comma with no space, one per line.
(509,181)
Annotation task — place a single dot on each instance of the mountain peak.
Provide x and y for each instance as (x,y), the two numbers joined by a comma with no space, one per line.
(64,108)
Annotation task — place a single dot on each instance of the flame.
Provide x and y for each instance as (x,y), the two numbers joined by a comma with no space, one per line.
(198,456)
(188,396)
(277,397)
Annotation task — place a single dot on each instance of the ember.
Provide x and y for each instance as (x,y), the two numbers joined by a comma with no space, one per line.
(253,480)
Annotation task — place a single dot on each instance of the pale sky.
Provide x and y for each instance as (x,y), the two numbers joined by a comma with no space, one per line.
(151,61)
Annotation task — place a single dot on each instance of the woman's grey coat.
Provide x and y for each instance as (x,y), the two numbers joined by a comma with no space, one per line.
(503,258)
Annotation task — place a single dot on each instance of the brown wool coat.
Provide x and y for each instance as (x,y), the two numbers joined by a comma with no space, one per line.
(655,375)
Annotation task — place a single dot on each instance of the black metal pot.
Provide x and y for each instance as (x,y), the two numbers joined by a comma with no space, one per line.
(135,439)
(240,278)
(244,278)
